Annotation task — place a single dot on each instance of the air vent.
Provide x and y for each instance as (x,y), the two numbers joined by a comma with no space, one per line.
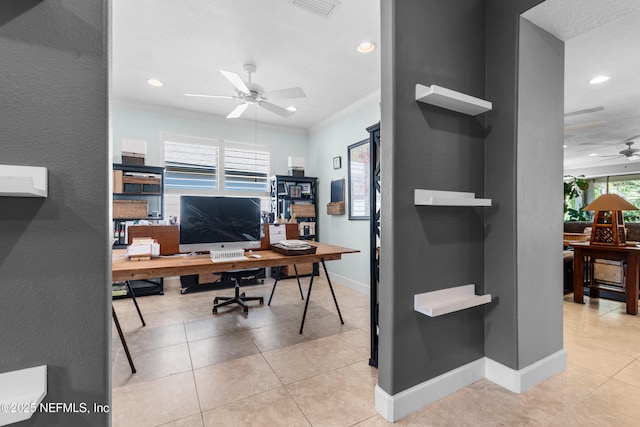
(320,7)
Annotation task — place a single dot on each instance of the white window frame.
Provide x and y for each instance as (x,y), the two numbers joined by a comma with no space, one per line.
(221,144)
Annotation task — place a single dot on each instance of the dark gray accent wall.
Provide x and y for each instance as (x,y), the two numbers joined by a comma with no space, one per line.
(54,252)
(539,162)
(429,248)
(501,262)
(472,47)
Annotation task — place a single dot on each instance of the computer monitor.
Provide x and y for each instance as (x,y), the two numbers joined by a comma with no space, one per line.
(212,223)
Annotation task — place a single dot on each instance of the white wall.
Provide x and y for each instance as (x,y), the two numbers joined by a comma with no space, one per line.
(326,143)
(147,122)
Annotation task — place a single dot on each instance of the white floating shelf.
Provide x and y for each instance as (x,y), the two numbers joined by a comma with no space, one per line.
(23,181)
(452,100)
(437,303)
(447,198)
(22,389)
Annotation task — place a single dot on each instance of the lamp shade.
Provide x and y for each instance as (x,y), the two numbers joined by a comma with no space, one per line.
(609,202)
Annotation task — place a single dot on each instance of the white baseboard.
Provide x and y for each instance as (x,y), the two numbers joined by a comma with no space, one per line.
(352,284)
(522,380)
(392,408)
(398,406)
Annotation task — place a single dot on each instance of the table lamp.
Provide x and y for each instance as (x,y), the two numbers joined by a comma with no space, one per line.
(608,223)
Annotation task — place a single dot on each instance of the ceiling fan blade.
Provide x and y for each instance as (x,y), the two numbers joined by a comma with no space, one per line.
(201,95)
(631,138)
(585,111)
(276,109)
(589,125)
(236,81)
(292,92)
(237,112)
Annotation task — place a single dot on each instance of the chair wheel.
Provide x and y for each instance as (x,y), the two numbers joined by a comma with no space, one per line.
(246,310)
(261,301)
(242,295)
(214,311)
(215,300)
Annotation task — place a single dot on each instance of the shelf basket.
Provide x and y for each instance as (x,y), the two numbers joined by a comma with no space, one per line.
(335,208)
(304,210)
(130,209)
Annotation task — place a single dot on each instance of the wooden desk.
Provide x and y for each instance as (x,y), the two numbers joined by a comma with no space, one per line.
(123,270)
(628,254)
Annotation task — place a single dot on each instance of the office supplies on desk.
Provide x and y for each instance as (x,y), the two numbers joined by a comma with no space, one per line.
(293,247)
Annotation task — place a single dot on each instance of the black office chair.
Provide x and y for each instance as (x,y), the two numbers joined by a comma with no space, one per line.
(238,298)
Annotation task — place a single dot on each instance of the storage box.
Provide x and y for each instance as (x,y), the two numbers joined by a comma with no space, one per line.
(168,236)
(335,208)
(296,172)
(303,270)
(132,161)
(130,209)
(304,210)
(140,184)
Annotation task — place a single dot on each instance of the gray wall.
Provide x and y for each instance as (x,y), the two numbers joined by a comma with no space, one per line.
(470,46)
(54,258)
(539,224)
(429,248)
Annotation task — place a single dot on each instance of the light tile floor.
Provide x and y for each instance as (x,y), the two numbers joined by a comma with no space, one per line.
(198,369)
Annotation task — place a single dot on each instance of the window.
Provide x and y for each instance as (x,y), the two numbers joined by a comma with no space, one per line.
(246,170)
(626,186)
(198,166)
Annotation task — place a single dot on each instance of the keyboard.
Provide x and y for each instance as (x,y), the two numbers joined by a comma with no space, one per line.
(227,255)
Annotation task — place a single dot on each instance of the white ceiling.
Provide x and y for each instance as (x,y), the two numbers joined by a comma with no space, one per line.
(601,37)
(186,43)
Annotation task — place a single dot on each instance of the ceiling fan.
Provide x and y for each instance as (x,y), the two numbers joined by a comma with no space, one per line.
(629,153)
(252,93)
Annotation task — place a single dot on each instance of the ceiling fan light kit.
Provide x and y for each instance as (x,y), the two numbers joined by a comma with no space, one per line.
(252,93)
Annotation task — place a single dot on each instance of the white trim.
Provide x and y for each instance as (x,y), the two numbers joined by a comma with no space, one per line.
(347,111)
(408,401)
(522,380)
(352,284)
(392,408)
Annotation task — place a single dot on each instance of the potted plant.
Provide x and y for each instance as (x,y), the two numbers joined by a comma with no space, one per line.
(574,188)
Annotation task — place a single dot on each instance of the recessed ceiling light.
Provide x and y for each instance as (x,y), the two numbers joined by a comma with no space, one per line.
(565,146)
(292,108)
(599,79)
(593,155)
(155,82)
(365,47)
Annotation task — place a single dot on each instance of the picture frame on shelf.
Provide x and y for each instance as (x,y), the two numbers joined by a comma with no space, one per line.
(358,159)
(282,189)
(337,162)
(295,191)
(306,189)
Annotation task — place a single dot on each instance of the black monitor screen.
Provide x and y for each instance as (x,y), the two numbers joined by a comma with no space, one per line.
(208,223)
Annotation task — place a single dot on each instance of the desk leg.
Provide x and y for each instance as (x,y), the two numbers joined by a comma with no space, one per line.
(632,283)
(135,302)
(578,276)
(123,341)
(306,303)
(274,284)
(332,293)
(295,268)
